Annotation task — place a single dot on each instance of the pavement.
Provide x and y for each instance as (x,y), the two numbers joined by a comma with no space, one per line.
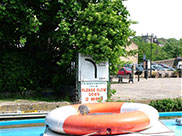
(147,90)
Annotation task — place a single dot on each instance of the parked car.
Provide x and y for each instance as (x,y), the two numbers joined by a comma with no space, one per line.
(157,67)
(124,71)
(169,68)
(154,68)
(138,68)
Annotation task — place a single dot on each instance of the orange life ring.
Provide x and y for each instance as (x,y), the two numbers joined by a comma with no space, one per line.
(115,118)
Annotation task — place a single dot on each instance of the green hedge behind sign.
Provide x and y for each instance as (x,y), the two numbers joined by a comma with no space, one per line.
(167,105)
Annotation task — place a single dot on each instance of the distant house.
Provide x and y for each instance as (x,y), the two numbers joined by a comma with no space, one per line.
(132,59)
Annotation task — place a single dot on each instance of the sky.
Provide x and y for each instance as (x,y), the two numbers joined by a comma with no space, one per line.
(163,18)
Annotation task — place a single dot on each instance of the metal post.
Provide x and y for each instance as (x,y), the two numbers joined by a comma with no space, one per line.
(152,39)
(138,77)
(151,56)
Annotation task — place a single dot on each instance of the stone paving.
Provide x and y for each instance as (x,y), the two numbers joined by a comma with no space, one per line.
(146,90)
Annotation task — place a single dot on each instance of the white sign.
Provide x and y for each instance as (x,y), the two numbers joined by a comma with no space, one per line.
(148,64)
(179,66)
(92,92)
(88,70)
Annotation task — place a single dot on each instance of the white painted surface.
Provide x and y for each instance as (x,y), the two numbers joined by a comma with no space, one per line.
(92,92)
(151,112)
(56,118)
(86,70)
(179,66)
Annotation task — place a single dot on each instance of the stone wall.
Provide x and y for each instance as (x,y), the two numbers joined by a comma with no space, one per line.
(168,62)
(27,106)
(133,59)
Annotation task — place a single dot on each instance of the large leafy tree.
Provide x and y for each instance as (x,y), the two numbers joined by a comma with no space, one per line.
(99,29)
(94,27)
(53,31)
(103,31)
(17,21)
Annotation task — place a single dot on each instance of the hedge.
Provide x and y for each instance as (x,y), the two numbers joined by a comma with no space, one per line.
(16,72)
(167,105)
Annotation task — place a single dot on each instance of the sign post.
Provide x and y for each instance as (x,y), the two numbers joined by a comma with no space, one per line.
(93,79)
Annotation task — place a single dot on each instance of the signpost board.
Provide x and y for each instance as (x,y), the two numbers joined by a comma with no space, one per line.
(149,64)
(88,70)
(92,92)
(93,79)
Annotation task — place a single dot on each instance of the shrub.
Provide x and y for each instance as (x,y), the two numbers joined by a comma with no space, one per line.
(110,92)
(16,72)
(167,105)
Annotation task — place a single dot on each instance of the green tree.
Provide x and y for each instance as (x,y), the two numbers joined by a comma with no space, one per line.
(180,47)
(158,53)
(172,47)
(143,48)
(17,22)
(53,31)
(103,31)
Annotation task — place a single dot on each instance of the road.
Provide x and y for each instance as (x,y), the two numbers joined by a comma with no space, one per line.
(147,90)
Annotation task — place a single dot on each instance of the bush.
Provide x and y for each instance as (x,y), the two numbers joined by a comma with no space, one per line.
(167,105)
(110,92)
(16,72)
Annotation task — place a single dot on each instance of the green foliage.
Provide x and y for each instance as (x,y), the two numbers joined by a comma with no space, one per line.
(110,92)
(17,20)
(16,72)
(51,33)
(170,49)
(158,53)
(93,27)
(173,47)
(103,31)
(167,105)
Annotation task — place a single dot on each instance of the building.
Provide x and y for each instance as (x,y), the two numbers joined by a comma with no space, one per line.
(132,59)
